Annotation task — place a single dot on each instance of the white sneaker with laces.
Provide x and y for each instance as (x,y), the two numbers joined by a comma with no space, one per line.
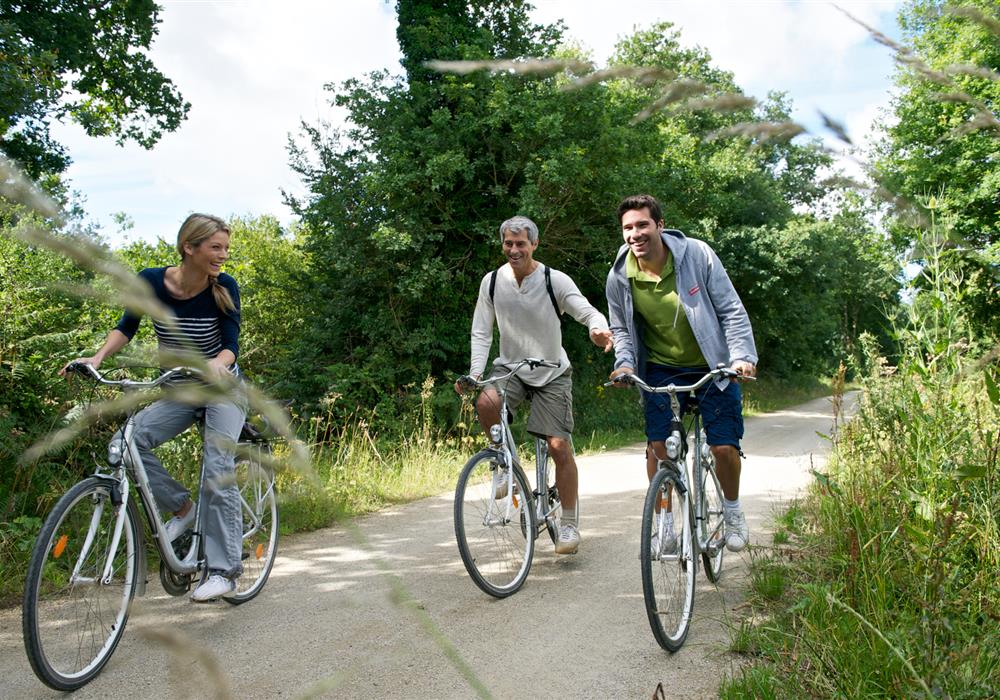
(176,526)
(215,586)
(569,539)
(737,532)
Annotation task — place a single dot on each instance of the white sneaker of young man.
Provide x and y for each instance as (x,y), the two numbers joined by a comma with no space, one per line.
(737,532)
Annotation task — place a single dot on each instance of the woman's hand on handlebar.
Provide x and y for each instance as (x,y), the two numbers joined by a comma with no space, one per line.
(94,362)
(745,369)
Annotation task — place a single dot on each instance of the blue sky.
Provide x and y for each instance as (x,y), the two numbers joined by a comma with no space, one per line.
(253,70)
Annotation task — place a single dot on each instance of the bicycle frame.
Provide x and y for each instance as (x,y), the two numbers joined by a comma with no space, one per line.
(502,442)
(131,463)
(689,475)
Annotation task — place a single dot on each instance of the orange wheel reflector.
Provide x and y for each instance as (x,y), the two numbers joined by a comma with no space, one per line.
(514,497)
(260,550)
(60,546)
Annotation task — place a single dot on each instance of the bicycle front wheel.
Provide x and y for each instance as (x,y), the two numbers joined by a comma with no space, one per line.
(495,529)
(72,615)
(667,559)
(259,506)
(714,527)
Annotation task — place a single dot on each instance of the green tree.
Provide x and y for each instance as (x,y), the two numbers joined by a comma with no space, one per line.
(942,152)
(812,287)
(84,61)
(404,204)
(704,180)
(931,148)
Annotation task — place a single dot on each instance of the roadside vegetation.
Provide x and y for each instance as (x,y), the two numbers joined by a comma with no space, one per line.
(882,583)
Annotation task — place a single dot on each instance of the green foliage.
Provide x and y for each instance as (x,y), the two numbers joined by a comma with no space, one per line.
(811,288)
(84,61)
(403,205)
(893,590)
(931,149)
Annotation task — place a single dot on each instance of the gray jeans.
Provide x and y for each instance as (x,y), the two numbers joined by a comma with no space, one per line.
(221,519)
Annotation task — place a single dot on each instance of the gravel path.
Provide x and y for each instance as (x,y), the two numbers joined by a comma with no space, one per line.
(382,607)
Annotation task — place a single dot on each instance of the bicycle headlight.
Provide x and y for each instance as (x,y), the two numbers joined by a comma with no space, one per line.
(673,448)
(114,453)
(496,433)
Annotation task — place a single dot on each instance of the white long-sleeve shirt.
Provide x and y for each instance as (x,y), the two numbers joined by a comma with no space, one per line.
(529,325)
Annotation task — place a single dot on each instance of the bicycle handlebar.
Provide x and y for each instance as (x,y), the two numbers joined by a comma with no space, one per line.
(91,371)
(674,388)
(532,362)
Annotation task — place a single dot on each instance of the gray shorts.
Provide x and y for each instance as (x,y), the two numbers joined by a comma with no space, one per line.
(551,405)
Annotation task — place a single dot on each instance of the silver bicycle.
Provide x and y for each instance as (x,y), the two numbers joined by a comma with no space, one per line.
(497,514)
(89,559)
(686,487)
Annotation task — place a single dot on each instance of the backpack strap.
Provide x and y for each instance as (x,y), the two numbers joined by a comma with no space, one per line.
(548,286)
(493,284)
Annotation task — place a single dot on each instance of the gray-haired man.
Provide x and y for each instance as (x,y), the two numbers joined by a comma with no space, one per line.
(524,299)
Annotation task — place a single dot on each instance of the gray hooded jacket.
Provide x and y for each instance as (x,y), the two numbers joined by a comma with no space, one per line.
(712,306)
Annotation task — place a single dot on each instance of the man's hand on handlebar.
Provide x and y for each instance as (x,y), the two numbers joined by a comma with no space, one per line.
(464,384)
(746,370)
(621,377)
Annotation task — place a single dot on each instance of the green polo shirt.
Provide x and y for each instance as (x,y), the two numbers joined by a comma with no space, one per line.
(666,331)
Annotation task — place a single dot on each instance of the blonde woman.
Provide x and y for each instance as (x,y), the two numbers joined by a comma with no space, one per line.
(206,305)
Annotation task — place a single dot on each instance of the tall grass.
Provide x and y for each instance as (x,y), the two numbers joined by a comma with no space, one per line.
(893,587)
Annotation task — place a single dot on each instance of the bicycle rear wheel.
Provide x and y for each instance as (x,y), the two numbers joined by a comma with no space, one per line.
(259,506)
(714,527)
(496,537)
(72,620)
(668,565)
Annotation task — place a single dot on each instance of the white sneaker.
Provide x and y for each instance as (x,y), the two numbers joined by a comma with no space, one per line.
(737,532)
(569,539)
(215,586)
(176,526)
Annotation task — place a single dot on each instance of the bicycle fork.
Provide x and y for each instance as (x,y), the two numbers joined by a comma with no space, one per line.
(499,510)
(543,509)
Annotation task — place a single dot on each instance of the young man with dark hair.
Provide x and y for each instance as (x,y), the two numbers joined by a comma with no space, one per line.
(675,315)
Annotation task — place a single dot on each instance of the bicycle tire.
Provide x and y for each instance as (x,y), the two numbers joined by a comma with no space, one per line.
(72,624)
(496,549)
(259,509)
(668,579)
(713,523)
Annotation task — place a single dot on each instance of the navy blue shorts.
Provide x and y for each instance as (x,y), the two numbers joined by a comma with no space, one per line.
(721,411)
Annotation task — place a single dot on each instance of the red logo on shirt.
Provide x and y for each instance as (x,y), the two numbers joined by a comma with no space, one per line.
(693,290)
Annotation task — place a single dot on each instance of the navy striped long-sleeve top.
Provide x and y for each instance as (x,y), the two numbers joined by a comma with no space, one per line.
(201,325)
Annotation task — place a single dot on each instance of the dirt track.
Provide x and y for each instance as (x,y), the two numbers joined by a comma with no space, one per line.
(383,607)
